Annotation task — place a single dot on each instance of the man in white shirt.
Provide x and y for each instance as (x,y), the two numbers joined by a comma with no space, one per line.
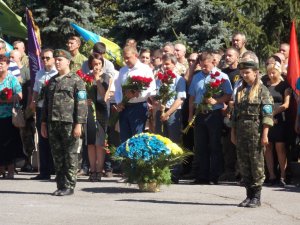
(133,115)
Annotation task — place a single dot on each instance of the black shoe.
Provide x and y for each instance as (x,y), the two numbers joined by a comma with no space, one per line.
(241,182)
(188,176)
(272,182)
(282,182)
(244,203)
(214,182)
(57,192)
(174,181)
(27,168)
(40,177)
(254,203)
(66,191)
(200,181)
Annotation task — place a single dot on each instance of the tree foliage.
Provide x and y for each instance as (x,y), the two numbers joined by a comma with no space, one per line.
(200,24)
(197,23)
(266,23)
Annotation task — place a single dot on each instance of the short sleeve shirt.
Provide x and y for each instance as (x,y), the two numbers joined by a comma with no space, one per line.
(200,80)
(10,82)
(178,86)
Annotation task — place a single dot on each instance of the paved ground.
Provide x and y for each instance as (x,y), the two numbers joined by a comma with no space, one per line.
(23,201)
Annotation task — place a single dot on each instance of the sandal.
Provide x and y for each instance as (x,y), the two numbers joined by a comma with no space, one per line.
(98,176)
(92,177)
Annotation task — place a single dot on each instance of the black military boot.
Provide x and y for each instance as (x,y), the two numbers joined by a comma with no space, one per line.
(255,200)
(248,199)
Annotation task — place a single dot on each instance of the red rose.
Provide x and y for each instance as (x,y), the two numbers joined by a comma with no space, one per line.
(217,73)
(171,74)
(134,78)
(214,84)
(166,78)
(148,80)
(88,79)
(6,93)
(80,73)
(46,82)
(160,75)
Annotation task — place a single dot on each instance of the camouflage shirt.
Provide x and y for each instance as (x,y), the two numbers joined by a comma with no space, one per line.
(261,107)
(65,99)
(77,61)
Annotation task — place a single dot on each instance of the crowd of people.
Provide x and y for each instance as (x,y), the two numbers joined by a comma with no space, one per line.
(240,127)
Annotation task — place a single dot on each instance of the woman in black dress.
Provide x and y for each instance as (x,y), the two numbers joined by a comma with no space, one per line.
(281,93)
(97,117)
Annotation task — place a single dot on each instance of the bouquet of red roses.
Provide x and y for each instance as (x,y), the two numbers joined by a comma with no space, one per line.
(88,80)
(6,94)
(213,88)
(133,84)
(165,92)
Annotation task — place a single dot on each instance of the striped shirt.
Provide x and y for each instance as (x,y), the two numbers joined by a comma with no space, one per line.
(14,69)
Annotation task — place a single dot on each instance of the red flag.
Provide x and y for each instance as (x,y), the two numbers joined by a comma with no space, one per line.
(292,76)
(294,66)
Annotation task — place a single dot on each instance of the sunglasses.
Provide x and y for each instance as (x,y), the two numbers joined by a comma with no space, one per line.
(192,60)
(46,57)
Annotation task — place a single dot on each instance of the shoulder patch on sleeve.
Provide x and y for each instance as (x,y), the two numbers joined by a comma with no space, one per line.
(81,95)
(267,109)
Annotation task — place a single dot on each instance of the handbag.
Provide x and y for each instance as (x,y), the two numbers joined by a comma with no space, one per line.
(18,119)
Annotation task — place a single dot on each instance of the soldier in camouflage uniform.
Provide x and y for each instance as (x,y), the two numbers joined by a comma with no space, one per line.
(252,117)
(64,112)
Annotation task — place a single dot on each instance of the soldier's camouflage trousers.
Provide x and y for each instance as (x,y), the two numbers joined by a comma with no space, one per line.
(64,146)
(250,153)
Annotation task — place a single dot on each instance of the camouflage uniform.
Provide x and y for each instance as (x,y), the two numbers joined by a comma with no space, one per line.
(77,61)
(248,120)
(64,106)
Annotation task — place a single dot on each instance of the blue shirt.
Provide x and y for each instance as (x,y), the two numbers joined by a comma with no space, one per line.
(10,82)
(179,86)
(200,80)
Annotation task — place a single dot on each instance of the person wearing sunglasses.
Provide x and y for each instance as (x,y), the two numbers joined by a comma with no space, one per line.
(41,79)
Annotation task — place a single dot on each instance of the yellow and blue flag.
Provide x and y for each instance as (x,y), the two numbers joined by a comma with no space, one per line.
(113,51)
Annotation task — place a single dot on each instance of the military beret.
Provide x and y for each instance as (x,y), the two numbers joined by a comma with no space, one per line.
(62,53)
(248,65)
